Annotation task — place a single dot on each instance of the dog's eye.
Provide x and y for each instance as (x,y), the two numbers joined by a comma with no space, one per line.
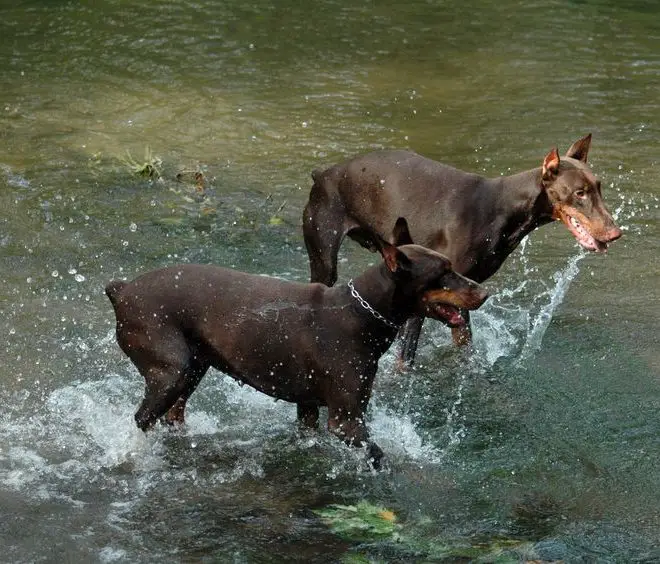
(582,194)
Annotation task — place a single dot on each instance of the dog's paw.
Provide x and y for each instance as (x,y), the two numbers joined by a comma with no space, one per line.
(375,456)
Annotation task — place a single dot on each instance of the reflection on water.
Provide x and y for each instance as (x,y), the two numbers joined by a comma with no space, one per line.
(546,431)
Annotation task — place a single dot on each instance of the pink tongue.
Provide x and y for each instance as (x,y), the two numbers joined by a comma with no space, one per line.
(452,315)
(456,318)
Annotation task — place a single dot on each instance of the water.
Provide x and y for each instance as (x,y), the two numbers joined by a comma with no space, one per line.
(547,433)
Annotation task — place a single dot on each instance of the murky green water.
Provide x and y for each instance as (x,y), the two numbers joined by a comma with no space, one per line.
(547,434)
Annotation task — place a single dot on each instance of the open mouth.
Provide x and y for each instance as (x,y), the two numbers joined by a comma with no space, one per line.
(586,240)
(446,313)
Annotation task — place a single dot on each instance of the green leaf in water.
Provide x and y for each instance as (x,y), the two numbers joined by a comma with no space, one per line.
(363,521)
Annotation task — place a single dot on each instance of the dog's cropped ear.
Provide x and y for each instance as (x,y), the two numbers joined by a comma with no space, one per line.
(580,149)
(395,260)
(550,165)
(401,233)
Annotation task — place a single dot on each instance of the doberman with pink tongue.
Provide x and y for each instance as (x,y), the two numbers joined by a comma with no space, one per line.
(475,221)
(305,343)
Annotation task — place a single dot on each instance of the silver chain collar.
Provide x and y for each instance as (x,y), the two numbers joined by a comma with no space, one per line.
(365,304)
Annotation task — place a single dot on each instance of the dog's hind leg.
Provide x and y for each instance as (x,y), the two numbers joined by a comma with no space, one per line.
(164,385)
(170,370)
(323,231)
(193,375)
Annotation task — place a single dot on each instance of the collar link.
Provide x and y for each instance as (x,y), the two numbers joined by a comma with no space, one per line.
(365,304)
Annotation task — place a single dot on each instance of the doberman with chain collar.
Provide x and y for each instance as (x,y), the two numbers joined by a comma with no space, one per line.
(475,221)
(304,343)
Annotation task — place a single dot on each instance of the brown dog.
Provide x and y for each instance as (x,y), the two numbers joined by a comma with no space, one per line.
(475,221)
(303,343)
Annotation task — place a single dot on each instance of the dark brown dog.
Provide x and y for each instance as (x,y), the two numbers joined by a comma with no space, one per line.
(475,221)
(304,343)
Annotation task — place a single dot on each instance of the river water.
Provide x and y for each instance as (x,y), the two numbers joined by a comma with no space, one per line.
(546,434)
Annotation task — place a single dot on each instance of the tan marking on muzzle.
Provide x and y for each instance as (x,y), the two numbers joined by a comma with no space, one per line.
(462,299)
(599,228)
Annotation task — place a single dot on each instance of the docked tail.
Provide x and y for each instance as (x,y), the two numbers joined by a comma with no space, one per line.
(113,289)
(317,175)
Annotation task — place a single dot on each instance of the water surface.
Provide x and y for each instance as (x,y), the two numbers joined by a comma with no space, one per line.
(547,433)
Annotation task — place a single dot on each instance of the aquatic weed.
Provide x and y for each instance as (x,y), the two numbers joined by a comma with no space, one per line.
(380,535)
(149,168)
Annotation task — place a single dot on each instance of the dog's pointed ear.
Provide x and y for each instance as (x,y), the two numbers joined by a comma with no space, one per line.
(401,233)
(550,165)
(395,260)
(580,149)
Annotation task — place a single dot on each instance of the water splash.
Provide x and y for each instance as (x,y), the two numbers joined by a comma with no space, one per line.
(500,326)
(398,435)
(563,279)
(84,433)
(511,325)
(99,418)
(507,327)
(455,428)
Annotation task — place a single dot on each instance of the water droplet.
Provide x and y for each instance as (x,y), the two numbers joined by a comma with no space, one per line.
(133,227)
(54,274)
(79,278)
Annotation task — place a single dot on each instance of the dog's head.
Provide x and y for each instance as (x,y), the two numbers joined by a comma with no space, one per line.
(426,279)
(575,196)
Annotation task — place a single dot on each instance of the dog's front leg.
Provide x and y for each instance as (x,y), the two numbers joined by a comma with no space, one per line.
(462,336)
(175,416)
(409,338)
(308,415)
(349,426)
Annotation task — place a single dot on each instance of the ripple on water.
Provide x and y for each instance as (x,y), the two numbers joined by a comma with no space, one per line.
(13,179)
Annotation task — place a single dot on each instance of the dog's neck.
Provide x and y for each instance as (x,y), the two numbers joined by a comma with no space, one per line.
(377,287)
(366,305)
(523,203)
